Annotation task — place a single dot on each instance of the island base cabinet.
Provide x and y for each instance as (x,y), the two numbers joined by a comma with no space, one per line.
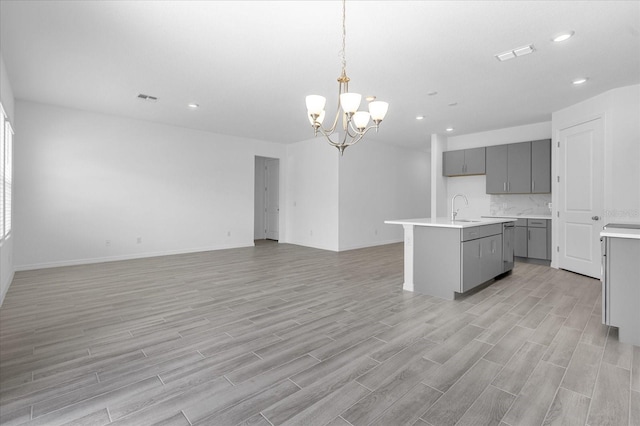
(621,288)
(471,274)
(446,261)
(481,261)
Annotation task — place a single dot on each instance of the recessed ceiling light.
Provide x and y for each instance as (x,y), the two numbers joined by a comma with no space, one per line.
(420,117)
(449,129)
(432,93)
(563,36)
(194,106)
(578,81)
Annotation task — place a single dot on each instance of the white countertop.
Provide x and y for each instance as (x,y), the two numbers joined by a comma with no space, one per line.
(525,216)
(445,222)
(621,233)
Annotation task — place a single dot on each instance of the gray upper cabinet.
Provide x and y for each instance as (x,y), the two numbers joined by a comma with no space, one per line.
(519,168)
(463,162)
(541,166)
(453,163)
(509,168)
(497,169)
(474,161)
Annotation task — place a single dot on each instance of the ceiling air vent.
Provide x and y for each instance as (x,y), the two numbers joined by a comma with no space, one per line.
(147,98)
(513,53)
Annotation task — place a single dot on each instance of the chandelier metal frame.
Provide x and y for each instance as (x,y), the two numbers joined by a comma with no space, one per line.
(354,123)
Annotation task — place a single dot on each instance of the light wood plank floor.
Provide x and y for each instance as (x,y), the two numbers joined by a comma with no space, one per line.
(282,334)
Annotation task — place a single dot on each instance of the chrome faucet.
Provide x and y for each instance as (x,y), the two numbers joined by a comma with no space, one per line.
(454,212)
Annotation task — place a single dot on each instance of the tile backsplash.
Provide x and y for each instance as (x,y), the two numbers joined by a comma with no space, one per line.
(518,204)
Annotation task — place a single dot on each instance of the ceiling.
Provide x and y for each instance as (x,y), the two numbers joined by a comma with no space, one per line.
(250,64)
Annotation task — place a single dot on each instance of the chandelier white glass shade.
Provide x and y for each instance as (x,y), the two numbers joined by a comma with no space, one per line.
(354,123)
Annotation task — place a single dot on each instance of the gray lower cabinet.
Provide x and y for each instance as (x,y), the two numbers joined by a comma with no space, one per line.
(454,260)
(537,243)
(620,289)
(520,242)
(481,260)
(533,239)
(463,162)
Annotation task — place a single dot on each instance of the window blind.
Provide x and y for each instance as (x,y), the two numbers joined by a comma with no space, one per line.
(2,170)
(8,176)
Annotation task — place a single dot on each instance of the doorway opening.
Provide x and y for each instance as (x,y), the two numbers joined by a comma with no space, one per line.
(266,199)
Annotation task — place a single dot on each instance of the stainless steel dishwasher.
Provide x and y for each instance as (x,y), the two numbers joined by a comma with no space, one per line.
(508,234)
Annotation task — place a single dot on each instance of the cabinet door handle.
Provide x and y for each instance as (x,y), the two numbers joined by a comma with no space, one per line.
(595,218)
(529,233)
(504,186)
(479,250)
(533,185)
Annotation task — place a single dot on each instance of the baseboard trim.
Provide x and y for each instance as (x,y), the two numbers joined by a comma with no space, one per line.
(373,244)
(89,261)
(6,289)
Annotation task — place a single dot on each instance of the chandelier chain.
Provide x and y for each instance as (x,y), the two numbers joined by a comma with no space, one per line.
(355,124)
(344,35)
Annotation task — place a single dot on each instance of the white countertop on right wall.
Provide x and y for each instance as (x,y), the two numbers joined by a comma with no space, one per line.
(521,216)
(621,233)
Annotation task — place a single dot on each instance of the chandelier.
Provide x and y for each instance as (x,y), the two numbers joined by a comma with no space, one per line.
(355,124)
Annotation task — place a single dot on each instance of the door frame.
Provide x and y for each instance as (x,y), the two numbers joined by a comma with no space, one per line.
(555,184)
(260,201)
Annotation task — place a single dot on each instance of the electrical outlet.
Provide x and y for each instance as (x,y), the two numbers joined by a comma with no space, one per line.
(107,243)
(311,232)
(375,232)
(139,240)
(228,233)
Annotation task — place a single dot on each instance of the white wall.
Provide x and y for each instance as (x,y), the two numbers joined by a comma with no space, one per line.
(439,194)
(622,157)
(312,194)
(258,204)
(6,248)
(83,178)
(380,182)
(474,187)
(620,109)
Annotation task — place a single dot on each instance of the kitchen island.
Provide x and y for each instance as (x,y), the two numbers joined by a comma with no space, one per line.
(444,257)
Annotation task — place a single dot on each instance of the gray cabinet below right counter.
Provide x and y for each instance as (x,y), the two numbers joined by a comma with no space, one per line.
(532,239)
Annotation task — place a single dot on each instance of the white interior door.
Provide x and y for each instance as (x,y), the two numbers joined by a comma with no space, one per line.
(272,198)
(581,198)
